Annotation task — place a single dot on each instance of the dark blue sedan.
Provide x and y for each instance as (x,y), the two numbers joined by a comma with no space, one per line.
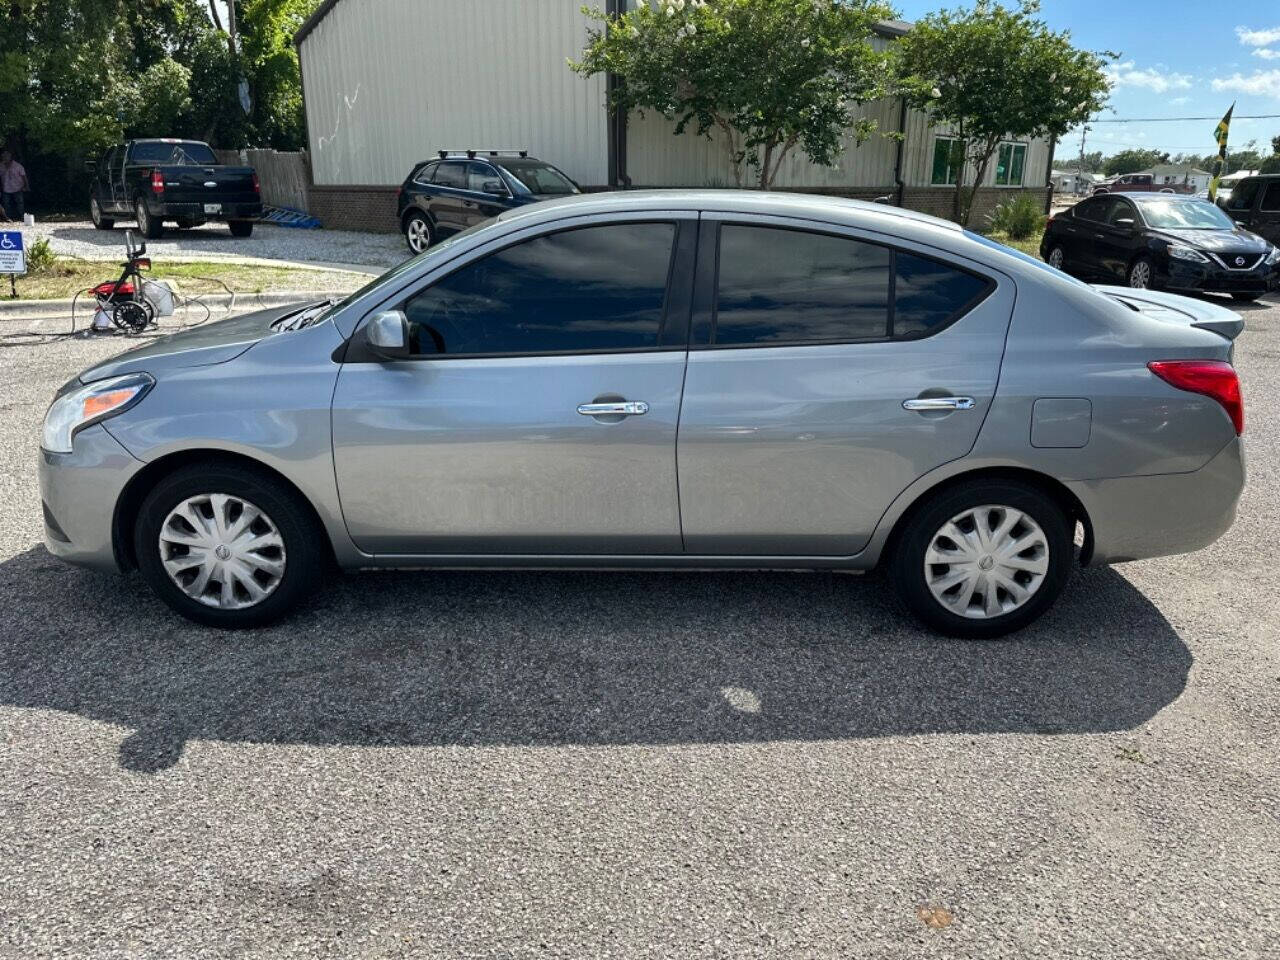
(459,190)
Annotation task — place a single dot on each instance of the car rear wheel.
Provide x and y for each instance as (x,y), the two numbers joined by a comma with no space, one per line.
(241,228)
(983,559)
(228,546)
(1056,257)
(95,214)
(1141,275)
(418,233)
(149,226)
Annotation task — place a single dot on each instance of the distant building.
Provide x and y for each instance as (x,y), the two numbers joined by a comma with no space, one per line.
(1071,181)
(387,83)
(1179,174)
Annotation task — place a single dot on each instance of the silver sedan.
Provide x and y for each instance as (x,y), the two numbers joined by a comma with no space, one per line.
(659,380)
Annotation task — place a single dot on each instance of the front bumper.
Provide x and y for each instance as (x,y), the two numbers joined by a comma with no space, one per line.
(80,491)
(1210,277)
(1134,518)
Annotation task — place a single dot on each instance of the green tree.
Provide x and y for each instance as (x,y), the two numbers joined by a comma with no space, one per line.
(991,74)
(1092,163)
(1131,161)
(770,76)
(159,104)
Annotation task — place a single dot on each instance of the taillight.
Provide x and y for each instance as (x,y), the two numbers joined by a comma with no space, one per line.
(257,187)
(157,181)
(1211,378)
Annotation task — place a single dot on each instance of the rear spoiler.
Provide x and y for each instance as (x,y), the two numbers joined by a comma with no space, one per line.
(1171,307)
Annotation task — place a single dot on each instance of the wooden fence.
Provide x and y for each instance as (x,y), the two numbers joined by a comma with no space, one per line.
(285,177)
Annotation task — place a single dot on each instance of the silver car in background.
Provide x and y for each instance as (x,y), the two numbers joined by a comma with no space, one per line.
(659,380)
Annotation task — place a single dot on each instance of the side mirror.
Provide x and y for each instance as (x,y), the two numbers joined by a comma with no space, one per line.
(494,187)
(387,334)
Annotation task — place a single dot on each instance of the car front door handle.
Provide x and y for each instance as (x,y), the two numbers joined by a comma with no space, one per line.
(621,408)
(938,403)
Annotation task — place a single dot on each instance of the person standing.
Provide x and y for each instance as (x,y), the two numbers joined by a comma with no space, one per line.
(13,181)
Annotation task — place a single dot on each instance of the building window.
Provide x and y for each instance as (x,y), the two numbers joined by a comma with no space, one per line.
(1010,162)
(948,161)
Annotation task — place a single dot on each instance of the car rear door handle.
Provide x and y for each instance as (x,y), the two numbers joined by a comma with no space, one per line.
(938,403)
(622,408)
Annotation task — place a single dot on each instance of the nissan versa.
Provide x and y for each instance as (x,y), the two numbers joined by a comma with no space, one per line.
(665,379)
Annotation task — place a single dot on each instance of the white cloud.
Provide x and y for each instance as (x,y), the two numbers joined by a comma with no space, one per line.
(1128,75)
(1262,83)
(1266,53)
(1258,38)
(1179,101)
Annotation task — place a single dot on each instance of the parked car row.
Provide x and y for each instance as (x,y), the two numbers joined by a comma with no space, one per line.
(1171,242)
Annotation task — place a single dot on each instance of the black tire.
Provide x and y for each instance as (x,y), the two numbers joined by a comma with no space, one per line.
(1246,297)
(1135,271)
(95,214)
(907,565)
(241,228)
(150,227)
(185,223)
(419,234)
(305,552)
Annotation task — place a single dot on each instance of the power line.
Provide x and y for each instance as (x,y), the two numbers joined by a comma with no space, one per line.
(1238,116)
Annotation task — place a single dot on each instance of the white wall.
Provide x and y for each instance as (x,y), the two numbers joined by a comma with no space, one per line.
(389,82)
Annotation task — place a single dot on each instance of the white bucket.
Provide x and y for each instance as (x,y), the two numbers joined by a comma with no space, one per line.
(160,296)
(29,219)
(102,320)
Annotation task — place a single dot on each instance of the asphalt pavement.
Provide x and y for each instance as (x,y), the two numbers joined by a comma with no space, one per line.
(500,764)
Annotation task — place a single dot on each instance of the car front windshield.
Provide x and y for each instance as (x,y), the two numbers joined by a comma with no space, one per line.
(173,153)
(1184,215)
(540,178)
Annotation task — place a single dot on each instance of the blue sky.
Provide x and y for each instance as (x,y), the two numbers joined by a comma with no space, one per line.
(1179,59)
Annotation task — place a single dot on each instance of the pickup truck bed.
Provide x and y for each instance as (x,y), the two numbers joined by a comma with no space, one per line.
(153,181)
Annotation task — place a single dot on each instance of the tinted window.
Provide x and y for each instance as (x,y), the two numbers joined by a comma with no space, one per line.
(425,172)
(1122,211)
(1243,195)
(597,288)
(540,178)
(451,175)
(1271,199)
(1093,209)
(478,174)
(928,294)
(187,152)
(789,286)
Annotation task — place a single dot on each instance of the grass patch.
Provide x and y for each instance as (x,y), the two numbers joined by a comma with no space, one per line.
(65,278)
(1029,246)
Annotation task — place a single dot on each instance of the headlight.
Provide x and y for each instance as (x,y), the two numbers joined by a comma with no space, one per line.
(89,404)
(1274,256)
(1186,253)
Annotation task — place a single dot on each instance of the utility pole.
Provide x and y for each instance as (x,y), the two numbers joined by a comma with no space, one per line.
(1080,169)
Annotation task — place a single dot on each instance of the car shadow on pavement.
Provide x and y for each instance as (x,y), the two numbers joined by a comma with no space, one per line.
(559,658)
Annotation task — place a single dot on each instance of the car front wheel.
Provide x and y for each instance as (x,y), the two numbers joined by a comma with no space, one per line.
(984,558)
(228,546)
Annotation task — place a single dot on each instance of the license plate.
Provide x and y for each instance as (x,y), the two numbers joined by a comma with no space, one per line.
(213,208)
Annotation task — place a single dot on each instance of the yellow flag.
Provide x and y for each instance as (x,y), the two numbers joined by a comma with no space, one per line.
(1220,135)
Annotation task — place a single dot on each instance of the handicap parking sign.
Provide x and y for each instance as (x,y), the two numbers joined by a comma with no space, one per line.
(12,257)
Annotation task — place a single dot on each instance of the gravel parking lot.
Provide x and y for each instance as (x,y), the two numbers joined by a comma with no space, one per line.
(676,765)
(213,242)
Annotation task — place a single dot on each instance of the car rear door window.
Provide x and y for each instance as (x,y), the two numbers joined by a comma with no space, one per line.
(600,288)
(1271,199)
(928,295)
(1242,197)
(451,175)
(779,286)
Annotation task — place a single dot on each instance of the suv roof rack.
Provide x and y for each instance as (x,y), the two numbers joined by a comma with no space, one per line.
(488,152)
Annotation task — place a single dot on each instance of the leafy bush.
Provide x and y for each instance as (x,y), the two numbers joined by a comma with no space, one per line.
(40,256)
(1019,218)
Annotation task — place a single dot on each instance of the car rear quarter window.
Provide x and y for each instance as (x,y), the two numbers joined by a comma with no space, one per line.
(425,172)
(600,289)
(928,295)
(780,286)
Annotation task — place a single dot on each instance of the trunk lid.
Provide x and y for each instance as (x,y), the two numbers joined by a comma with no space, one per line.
(191,184)
(1175,309)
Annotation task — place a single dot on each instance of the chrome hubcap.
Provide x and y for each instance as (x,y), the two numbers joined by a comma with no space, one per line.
(222,551)
(418,236)
(1140,275)
(986,561)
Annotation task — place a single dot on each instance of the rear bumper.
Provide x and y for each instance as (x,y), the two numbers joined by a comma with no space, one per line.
(1134,518)
(80,491)
(230,210)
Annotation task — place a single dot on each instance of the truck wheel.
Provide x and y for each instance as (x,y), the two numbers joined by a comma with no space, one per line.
(185,223)
(149,226)
(95,214)
(241,228)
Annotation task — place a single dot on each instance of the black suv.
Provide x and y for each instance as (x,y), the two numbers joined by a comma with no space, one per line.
(461,189)
(1255,203)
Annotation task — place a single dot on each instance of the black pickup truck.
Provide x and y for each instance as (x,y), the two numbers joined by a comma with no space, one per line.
(151,181)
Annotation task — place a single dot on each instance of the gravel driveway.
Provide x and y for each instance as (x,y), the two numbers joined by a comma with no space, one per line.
(213,242)
(679,765)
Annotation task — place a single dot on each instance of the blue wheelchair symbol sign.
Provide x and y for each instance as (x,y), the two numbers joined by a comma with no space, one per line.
(12,258)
